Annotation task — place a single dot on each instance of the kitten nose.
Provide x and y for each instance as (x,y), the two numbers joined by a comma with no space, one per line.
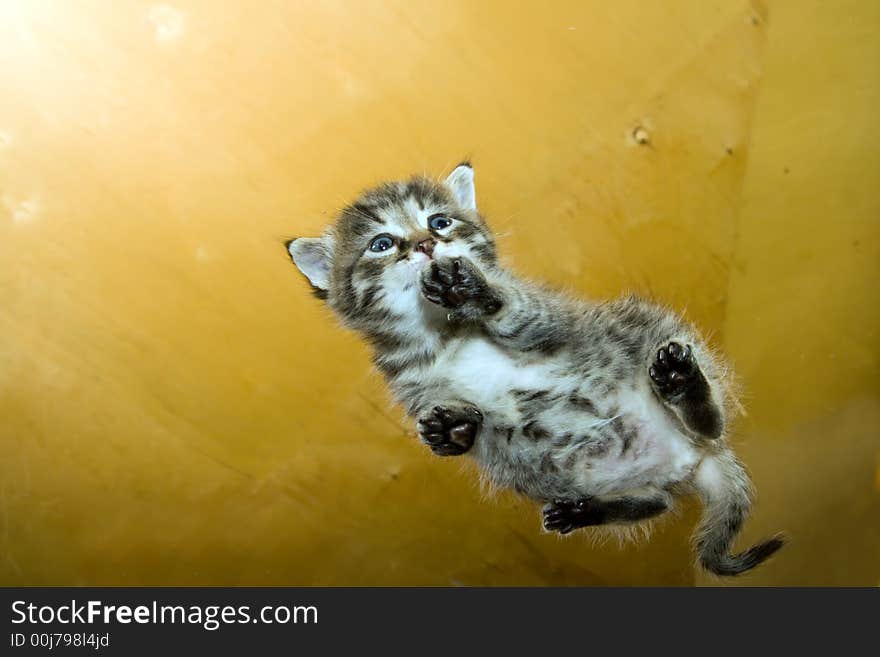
(426,246)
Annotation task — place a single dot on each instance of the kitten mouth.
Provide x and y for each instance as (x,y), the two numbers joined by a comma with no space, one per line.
(417,269)
(419,263)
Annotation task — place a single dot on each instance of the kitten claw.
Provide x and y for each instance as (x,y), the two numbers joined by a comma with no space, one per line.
(450,431)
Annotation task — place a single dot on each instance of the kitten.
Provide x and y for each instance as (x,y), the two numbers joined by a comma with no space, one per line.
(602,411)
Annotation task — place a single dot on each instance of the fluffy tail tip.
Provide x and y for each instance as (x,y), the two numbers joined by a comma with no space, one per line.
(728,565)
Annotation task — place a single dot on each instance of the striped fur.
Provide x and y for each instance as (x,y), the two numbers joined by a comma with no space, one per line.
(602,411)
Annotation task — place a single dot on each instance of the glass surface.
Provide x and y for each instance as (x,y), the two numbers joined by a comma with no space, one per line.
(178,409)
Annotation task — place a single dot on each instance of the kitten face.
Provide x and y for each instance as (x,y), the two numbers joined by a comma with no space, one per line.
(368,264)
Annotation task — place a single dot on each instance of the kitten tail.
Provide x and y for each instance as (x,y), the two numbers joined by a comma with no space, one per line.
(726,491)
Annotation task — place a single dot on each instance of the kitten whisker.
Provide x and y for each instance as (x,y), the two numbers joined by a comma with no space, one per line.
(603,411)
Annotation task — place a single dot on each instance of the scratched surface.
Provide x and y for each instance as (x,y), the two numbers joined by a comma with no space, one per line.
(175,408)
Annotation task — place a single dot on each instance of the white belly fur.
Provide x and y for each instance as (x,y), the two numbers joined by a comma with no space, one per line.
(660,454)
(483,374)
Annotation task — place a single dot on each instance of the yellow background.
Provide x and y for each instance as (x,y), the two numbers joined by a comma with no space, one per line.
(175,408)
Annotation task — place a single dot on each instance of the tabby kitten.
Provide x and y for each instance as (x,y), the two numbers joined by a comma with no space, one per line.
(601,411)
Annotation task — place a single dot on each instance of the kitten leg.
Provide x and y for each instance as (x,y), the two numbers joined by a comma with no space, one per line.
(513,314)
(564,516)
(680,383)
(450,430)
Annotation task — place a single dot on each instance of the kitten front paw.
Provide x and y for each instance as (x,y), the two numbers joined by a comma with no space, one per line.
(450,430)
(673,369)
(457,284)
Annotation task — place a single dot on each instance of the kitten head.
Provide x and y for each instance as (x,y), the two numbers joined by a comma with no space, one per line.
(367,265)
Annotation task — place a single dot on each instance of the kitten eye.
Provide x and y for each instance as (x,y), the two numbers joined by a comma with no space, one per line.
(439,222)
(381,243)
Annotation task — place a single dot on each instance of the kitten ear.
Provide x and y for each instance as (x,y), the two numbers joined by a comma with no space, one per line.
(461,182)
(314,257)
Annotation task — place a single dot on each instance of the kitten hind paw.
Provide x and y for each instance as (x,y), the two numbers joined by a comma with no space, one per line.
(681,384)
(564,516)
(673,369)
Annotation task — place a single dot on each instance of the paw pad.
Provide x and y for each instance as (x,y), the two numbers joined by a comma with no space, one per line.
(450,431)
(672,368)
